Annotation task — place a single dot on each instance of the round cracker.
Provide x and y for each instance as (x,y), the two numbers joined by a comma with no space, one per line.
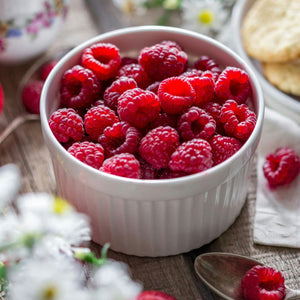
(285,76)
(271,30)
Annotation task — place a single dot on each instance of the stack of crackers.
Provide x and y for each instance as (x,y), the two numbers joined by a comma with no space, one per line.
(271,34)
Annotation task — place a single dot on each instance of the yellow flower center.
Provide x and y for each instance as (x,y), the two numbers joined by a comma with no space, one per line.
(206,17)
(61,206)
(49,293)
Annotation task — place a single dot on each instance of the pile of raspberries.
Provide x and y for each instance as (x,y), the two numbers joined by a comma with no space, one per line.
(157,116)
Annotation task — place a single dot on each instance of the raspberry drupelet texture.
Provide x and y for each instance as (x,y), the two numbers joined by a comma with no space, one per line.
(233,83)
(206,63)
(196,123)
(281,167)
(223,147)
(214,109)
(163,60)
(66,125)
(157,146)
(124,164)
(97,119)
(121,137)
(192,157)
(136,72)
(103,59)
(138,107)
(116,89)
(263,283)
(176,94)
(31,94)
(238,120)
(89,153)
(79,87)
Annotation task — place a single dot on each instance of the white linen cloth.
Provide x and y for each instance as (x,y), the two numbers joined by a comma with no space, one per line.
(277,217)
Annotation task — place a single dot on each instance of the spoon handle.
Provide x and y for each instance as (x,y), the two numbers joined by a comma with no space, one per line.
(292,295)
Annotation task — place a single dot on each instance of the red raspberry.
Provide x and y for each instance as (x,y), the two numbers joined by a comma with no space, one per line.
(223,147)
(147,170)
(97,119)
(281,167)
(103,59)
(238,120)
(214,109)
(192,73)
(157,146)
(66,124)
(175,95)
(138,107)
(153,87)
(98,102)
(163,60)
(196,123)
(154,295)
(124,164)
(136,72)
(170,44)
(128,60)
(206,63)
(263,283)
(46,69)
(169,174)
(31,94)
(89,153)
(233,83)
(117,88)
(79,87)
(121,137)
(192,157)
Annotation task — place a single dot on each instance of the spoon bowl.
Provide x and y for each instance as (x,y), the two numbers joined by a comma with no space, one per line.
(222,273)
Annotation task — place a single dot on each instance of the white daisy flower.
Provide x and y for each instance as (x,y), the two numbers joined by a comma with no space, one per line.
(204,16)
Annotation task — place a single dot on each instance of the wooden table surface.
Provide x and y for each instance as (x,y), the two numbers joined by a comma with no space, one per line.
(26,148)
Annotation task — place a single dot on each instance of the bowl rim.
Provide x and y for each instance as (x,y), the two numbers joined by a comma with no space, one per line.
(236,23)
(155,183)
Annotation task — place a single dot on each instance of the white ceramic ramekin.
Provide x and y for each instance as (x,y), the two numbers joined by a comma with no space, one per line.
(153,217)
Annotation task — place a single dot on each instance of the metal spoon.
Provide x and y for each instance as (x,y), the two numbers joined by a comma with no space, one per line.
(222,273)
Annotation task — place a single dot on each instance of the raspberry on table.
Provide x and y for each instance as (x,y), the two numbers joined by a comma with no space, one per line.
(89,153)
(223,147)
(263,283)
(206,63)
(136,72)
(79,87)
(233,83)
(192,157)
(103,59)
(66,125)
(46,68)
(238,120)
(97,119)
(120,137)
(196,123)
(138,107)
(31,94)
(281,167)
(157,146)
(124,164)
(116,89)
(176,94)
(163,60)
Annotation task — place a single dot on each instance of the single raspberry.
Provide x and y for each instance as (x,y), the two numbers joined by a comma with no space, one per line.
(147,170)
(233,83)
(124,164)
(121,137)
(192,157)
(153,87)
(128,60)
(196,123)
(238,120)
(176,94)
(79,87)
(89,153)
(164,119)
(157,146)
(263,283)
(154,295)
(223,147)
(66,124)
(117,88)
(46,69)
(169,174)
(214,109)
(163,60)
(103,59)
(206,63)
(31,94)
(97,119)
(136,72)
(138,107)
(281,167)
